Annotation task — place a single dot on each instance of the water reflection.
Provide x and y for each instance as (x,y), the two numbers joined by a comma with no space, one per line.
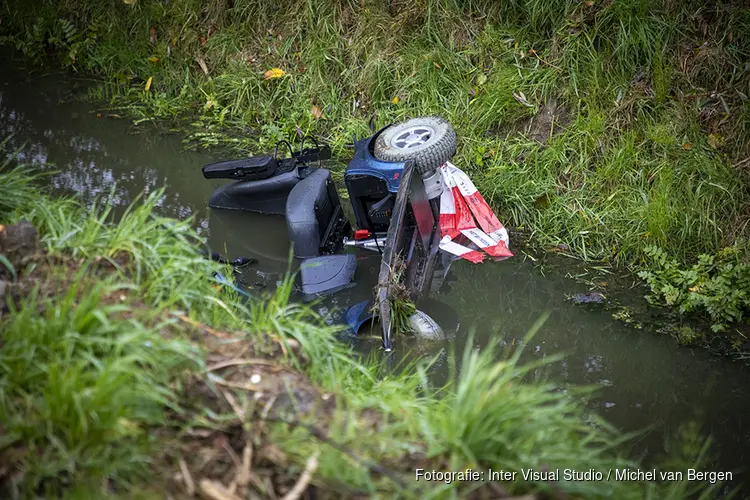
(92,155)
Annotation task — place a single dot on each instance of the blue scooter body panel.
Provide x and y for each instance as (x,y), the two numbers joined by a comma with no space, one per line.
(364,163)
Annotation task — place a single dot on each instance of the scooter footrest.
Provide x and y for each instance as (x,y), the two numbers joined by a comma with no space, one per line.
(323,275)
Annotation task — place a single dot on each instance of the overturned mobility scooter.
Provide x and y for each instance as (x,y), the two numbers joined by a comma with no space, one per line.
(409,202)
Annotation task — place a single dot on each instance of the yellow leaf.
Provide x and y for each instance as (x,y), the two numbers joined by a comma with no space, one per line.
(153,59)
(274,73)
(395,100)
(715,140)
(316,112)
(148,83)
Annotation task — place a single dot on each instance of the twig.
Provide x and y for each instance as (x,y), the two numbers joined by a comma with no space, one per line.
(232,454)
(246,387)
(499,490)
(543,61)
(189,484)
(202,64)
(318,434)
(216,491)
(741,162)
(304,480)
(198,325)
(233,403)
(243,476)
(239,362)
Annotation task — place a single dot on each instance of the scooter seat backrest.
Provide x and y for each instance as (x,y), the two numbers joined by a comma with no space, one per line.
(309,209)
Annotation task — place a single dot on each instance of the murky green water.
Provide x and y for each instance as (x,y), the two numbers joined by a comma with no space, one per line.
(646,379)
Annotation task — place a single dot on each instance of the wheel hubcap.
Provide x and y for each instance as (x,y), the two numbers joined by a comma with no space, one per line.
(413,137)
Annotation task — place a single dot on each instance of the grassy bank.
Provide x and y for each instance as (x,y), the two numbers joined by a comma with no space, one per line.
(126,372)
(609,129)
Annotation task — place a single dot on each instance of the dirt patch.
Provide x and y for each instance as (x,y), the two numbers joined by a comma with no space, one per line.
(551,116)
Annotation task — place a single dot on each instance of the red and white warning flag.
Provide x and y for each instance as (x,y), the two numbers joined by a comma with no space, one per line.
(461,208)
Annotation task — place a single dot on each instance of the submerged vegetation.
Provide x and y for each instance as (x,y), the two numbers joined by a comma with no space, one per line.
(607,127)
(125,372)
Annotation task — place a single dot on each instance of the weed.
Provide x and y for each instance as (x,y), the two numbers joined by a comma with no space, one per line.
(717,285)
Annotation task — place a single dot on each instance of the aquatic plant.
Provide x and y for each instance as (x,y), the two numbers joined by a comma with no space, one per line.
(399,301)
(718,285)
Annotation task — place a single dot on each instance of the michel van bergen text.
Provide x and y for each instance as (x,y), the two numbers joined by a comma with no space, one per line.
(573,475)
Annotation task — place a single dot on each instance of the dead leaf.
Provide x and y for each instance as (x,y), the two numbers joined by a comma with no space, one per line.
(521,97)
(216,491)
(715,141)
(202,64)
(274,73)
(437,65)
(148,83)
(128,2)
(687,146)
(588,3)
(317,113)
(152,35)
(481,79)
(186,477)
(542,201)
(203,41)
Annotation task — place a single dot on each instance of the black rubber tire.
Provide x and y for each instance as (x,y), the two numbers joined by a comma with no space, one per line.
(438,149)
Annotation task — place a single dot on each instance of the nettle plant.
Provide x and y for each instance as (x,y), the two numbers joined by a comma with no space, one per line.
(717,284)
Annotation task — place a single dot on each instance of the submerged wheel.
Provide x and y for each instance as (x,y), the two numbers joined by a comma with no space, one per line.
(429,140)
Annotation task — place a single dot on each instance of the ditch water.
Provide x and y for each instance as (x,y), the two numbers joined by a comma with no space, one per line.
(646,380)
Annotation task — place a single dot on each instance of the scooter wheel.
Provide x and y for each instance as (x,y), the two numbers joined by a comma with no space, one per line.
(429,140)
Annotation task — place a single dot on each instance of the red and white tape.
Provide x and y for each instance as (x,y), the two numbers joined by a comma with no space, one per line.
(460,204)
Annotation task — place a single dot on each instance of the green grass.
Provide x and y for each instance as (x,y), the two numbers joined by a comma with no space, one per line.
(81,390)
(652,96)
(94,375)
